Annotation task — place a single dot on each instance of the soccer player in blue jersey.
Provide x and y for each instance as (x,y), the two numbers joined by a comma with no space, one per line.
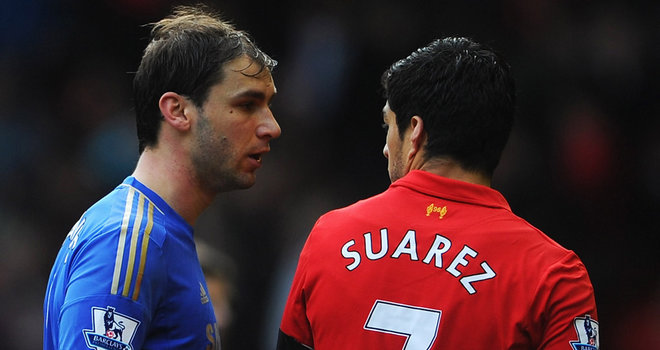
(127,275)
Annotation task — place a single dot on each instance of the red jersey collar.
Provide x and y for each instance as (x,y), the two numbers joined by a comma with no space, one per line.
(443,187)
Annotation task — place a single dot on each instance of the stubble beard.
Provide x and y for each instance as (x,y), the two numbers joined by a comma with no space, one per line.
(397,168)
(213,157)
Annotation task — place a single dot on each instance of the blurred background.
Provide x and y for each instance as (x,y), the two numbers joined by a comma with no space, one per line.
(582,163)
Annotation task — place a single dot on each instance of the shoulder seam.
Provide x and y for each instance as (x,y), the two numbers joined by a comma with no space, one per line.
(142,194)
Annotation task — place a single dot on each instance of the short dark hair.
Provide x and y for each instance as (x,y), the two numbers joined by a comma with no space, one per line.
(465,94)
(186,54)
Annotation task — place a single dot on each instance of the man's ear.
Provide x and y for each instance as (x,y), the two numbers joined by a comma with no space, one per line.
(173,107)
(417,136)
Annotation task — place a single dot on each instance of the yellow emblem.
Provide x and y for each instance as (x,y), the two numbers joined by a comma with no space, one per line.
(432,208)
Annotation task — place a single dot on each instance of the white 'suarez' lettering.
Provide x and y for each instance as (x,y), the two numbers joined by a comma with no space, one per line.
(368,246)
(436,251)
(467,280)
(460,259)
(348,254)
(408,246)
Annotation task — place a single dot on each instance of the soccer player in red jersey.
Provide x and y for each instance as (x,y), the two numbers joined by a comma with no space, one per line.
(438,260)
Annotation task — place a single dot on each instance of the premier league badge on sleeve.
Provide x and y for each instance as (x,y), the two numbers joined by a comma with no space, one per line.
(112,330)
(587,332)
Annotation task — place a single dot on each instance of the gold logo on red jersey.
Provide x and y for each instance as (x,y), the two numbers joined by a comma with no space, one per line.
(432,208)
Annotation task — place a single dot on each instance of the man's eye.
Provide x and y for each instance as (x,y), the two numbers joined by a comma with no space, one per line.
(247,105)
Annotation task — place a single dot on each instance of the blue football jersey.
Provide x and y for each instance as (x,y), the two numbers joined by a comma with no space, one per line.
(128,277)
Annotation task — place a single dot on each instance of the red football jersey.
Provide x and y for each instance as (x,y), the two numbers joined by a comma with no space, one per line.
(436,263)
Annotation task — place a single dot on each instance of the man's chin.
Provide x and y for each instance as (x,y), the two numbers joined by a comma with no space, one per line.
(237,183)
(244,182)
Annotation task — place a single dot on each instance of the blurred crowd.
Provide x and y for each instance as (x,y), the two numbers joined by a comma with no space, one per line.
(582,163)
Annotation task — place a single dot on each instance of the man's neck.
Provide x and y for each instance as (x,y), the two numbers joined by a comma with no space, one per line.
(173,182)
(452,170)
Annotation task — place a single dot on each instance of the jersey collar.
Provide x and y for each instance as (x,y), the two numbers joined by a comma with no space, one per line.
(460,191)
(157,201)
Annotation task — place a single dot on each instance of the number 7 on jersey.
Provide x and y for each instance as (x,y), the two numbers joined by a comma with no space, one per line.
(418,325)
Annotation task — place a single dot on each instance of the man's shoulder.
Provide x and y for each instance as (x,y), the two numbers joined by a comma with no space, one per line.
(358,207)
(123,211)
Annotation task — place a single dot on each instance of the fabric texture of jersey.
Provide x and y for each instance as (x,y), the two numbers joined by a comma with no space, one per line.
(128,277)
(436,263)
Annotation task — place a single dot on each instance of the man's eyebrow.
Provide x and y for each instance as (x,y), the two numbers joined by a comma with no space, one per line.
(251,93)
(259,95)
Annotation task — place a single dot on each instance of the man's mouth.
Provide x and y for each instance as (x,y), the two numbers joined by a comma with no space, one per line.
(256,157)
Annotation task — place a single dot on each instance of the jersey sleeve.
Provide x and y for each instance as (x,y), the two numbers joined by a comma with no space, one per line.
(113,287)
(565,308)
(295,329)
